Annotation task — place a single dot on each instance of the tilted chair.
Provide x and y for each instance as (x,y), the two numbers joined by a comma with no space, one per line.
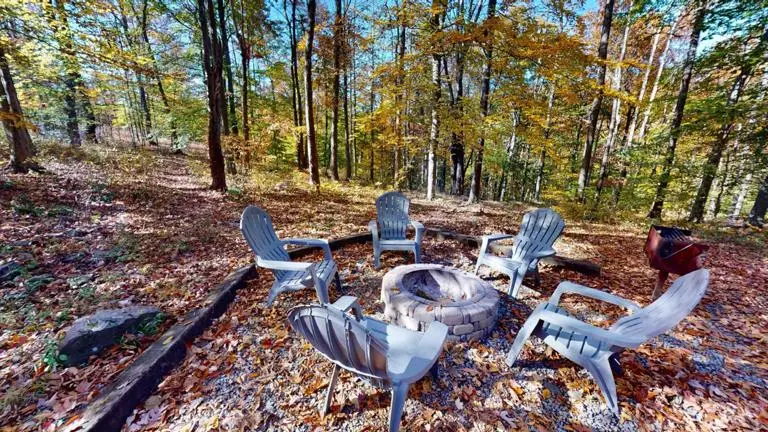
(596,349)
(390,228)
(538,232)
(391,356)
(258,231)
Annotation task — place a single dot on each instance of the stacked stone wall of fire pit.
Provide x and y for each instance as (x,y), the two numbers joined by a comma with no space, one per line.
(415,295)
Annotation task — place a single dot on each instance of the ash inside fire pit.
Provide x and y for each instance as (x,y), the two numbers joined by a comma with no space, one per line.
(440,286)
(415,295)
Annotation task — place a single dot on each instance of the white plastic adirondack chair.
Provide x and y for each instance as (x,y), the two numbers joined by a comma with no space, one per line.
(391,227)
(389,355)
(538,232)
(258,231)
(596,349)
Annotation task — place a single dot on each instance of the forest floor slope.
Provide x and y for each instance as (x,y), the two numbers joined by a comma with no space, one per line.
(110,227)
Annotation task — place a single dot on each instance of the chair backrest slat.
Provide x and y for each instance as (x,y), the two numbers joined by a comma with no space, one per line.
(392,215)
(668,310)
(341,339)
(539,230)
(256,226)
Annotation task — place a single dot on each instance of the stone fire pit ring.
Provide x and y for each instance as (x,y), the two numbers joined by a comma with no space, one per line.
(415,295)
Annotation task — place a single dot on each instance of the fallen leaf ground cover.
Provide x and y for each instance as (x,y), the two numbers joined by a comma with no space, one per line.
(108,228)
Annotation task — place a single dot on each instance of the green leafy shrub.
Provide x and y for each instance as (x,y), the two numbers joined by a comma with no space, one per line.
(51,356)
(23,206)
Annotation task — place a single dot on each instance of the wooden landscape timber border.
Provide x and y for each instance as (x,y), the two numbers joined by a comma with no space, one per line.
(138,381)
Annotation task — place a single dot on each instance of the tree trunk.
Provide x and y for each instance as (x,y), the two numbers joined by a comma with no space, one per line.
(335,89)
(14,123)
(738,200)
(436,89)
(212,66)
(613,129)
(457,139)
(144,119)
(543,153)
(373,130)
(244,95)
(655,89)
(298,106)
(594,110)
(314,172)
(400,89)
(242,34)
(643,86)
(757,214)
(677,120)
(160,87)
(144,101)
(720,182)
(232,117)
(716,152)
(347,146)
(474,192)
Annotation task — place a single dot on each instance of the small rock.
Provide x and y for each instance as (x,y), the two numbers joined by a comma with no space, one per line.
(125,302)
(91,334)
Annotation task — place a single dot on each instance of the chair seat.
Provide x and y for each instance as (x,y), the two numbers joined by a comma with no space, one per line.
(403,356)
(397,244)
(303,279)
(568,339)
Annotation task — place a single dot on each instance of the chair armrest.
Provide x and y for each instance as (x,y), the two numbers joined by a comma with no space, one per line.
(494,237)
(419,227)
(284,265)
(570,287)
(433,339)
(312,242)
(543,253)
(346,303)
(373,227)
(606,336)
(487,239)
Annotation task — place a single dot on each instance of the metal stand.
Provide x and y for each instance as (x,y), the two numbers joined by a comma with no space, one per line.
(660,280)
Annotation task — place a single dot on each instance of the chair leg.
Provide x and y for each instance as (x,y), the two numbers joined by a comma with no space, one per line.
(601,372)
(329,394)
(523,334)
(615,362)
(536,275)
(478,264)
(322,292)
(338,282)
(417,254)
(376,259)
(273,293)
(399,395)
(515,282)
(433,372)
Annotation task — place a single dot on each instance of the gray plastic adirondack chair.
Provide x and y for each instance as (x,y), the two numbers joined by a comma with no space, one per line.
(391,227)
(597,349)
(538,232)
(391,356)
(258,231)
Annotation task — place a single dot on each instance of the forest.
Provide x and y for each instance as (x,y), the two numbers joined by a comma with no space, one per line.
(141,133)
(633,107)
